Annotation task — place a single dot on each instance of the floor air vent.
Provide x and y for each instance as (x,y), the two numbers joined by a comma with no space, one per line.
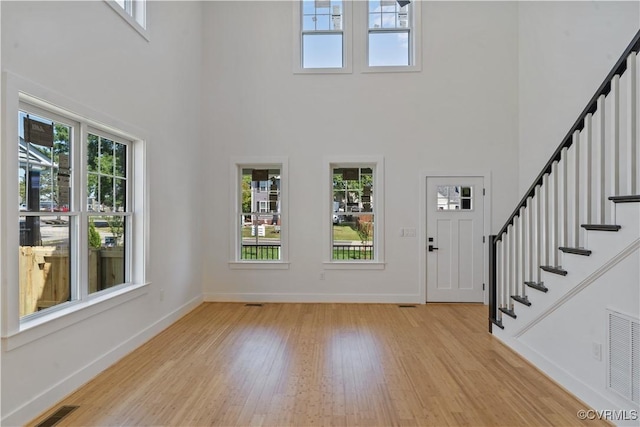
(623,370)
(407,306)
(253,305)
(57,416)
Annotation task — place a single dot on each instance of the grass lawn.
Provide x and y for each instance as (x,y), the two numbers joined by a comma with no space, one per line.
(260,253)
(340,232)
(353,254)
(345,232)
(269,231)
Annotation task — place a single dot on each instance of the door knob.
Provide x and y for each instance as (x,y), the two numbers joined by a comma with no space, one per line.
(431,248)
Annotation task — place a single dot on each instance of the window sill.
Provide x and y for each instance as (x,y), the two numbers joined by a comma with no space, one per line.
(392,69)
(258,265)
(73,312)
(337,265)
(299,70)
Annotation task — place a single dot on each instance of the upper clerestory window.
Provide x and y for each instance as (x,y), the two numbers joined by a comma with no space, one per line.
(322,36)
(393,35)
(134,12)
(336,36)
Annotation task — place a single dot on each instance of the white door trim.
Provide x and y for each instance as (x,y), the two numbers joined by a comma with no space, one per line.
(422,230)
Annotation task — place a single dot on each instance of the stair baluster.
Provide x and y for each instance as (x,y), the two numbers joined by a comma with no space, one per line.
(535,232)
(499,279)
(516,258)
(563,199)
(583,189)
(600,161)
(632,123)
(573,194)
(553,215)
(614,145)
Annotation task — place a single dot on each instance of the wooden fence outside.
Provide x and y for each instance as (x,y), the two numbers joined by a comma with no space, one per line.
(45,275)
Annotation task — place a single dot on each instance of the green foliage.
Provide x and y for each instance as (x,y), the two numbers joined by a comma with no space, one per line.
(106,162)
(23,191)
(116,225)
(246,193)
(61,134)
(364,229)
(350,191)
(95,241)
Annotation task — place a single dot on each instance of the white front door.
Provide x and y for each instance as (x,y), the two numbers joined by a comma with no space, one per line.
(455,255)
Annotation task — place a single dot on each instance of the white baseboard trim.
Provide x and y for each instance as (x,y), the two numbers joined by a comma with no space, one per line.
(66,386)
(311,298)
(587,394)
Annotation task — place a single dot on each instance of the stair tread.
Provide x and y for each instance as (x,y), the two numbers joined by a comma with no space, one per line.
(575,251)
(508,312)
(554,270)
(537,285)
(601,227)
(498,323)
(625,199)
(521,299)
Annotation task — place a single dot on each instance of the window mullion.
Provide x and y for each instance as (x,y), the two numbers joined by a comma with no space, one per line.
(82,197)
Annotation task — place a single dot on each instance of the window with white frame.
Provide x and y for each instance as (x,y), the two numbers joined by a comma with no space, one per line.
(322,36)
(109,214)
(76,209)
(356,212)
(132,11)
(385,35)
(390,35)
(260,215)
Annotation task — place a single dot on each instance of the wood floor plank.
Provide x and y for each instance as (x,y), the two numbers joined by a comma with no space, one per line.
(324,364)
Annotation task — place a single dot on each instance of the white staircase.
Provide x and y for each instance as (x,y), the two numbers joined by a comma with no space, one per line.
(570,252)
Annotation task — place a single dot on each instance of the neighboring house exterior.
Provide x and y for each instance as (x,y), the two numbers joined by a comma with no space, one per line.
(262,200)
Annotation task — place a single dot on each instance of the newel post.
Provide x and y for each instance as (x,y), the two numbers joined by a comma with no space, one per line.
(493,294)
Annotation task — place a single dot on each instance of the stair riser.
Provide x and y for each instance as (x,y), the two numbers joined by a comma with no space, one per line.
(602,241)
(525,314)
(628,216)
(579,267)
(604,246)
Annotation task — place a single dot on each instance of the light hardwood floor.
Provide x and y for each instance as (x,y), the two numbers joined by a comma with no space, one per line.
(324,364)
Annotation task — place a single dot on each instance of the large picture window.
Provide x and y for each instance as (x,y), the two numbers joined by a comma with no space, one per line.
(75,209)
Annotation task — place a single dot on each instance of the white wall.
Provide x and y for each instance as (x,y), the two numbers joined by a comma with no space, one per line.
(564,340)
(558,332)
(565,51)
(458,114)
(483,63)
(87,53)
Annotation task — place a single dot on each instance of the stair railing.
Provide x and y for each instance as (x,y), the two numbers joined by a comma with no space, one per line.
(571,191)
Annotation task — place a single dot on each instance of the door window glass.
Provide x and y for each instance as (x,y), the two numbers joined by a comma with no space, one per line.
(455,198)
